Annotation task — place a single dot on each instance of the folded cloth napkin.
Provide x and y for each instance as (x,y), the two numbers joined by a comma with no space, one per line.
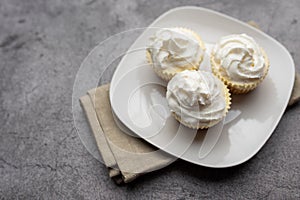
(127,156)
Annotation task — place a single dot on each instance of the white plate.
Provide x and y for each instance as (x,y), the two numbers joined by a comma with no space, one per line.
(137,95)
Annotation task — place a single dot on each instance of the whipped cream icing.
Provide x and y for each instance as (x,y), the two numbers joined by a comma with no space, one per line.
(197,97)
(240,57)
(173,48)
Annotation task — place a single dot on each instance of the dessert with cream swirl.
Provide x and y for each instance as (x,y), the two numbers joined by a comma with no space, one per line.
(173,50)
(240,62)
(197,99)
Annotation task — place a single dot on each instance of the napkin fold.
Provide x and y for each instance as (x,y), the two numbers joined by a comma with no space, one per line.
(126,156)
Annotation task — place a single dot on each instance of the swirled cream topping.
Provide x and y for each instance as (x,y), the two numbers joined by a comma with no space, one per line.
(173,48)
(197,97)
(240,57)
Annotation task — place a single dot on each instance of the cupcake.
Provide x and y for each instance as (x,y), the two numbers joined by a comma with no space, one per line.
(197,99)
(173,50)
(239,62)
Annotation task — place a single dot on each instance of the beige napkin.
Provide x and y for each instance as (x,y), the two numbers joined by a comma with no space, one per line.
(119,149)
(126,156)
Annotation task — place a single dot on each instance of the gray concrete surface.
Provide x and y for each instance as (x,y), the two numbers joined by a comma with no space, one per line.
(42,44)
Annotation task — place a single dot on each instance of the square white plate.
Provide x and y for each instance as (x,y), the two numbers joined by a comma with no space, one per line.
(137,95)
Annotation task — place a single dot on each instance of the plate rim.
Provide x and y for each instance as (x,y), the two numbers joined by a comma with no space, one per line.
(240,23)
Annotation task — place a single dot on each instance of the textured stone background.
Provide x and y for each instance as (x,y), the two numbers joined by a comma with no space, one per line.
(42,44)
